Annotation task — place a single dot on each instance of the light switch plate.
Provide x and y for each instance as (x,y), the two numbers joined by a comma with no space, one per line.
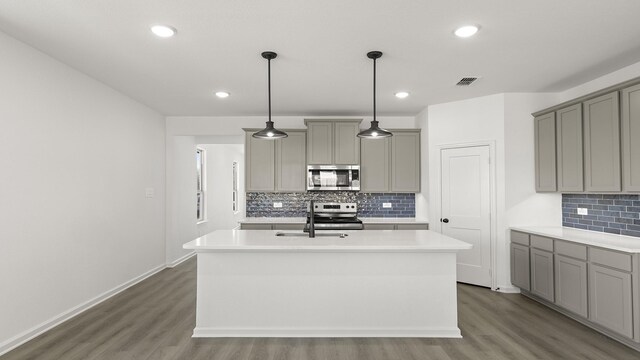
(149,192)
(277,204)
(387,205)
(583,211)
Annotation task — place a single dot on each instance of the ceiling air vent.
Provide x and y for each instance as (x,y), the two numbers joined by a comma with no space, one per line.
(467,80)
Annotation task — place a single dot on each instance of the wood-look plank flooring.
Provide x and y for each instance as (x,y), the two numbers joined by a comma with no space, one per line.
(155,318)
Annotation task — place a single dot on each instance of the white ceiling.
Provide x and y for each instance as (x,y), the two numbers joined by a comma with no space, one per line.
(523,46)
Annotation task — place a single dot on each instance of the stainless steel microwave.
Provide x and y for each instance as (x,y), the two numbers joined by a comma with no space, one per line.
(333,177)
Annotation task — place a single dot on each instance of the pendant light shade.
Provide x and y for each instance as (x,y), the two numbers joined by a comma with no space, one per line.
(374,132)
(269,133)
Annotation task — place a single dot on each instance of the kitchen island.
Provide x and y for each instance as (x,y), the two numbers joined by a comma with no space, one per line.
(367,284)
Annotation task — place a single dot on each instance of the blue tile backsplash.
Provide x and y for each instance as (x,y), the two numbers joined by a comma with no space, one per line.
(295,204)
(615,214)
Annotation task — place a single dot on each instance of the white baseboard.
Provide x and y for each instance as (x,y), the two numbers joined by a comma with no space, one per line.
(22,338)
(324,332)
(508,289)
(181,260)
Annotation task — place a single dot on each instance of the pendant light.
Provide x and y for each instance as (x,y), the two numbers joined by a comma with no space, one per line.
(269,133)
(374,132)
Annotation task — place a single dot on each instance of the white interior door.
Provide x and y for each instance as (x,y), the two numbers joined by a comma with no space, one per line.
(466,209)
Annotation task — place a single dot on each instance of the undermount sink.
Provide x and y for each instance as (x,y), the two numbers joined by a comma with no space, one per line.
(340,235)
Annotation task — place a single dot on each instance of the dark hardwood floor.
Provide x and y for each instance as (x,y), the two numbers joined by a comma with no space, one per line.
(154,320)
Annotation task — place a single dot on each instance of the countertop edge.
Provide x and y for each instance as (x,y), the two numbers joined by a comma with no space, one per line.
(535,230)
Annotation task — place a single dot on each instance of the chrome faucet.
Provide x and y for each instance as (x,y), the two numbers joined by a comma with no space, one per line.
(311,215)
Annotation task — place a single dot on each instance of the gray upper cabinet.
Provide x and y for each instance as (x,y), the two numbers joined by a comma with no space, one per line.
(602,143)
(631,138)
(405,161)
(545,152)
(569,148)
(320,143)
(290,162)
(333,142)
(346,143)
(375,170)
(259,164)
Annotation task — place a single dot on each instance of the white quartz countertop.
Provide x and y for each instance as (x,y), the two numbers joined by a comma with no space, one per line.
(302,220)
(594,238)
(357,240)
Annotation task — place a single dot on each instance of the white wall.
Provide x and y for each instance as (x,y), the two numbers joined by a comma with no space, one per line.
(76,157)
(422,198)
(219,169)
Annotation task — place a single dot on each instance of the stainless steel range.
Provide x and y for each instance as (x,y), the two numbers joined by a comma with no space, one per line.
(334,216)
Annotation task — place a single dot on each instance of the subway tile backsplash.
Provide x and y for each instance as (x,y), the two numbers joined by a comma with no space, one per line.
(295,204)
(615,214)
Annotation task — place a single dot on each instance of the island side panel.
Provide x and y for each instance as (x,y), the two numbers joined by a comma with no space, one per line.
(326,294)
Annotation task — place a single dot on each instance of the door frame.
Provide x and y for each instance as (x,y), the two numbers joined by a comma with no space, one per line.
(493,218)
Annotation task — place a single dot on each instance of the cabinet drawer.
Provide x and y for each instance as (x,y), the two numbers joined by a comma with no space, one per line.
(379,227)
(298,227)
(412,227)
(255,226)
(541,243)
(520,238)
(571,250)
(610,258)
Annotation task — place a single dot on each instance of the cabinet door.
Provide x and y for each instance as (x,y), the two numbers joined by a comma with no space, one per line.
(631,139)
(542,274)
(571,285)
(375,171)
(290,162)
(520,275)
(602,143)
(346,143)
(320,143)
(569,148)
(610,299)
(405,161)
(259,164)
(545,152)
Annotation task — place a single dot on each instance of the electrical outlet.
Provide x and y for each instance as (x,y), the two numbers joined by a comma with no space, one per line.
(277,204)
(583,211)
(387,205)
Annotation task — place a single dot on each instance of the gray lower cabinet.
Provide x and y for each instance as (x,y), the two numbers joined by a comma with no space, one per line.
(545,152)
(602,143)
(405,161)
(296,227)
(569,148)
(259,164)
(630,134)
(379,227)
(375,169)
(542,282)
(571,285)
(290,167)
(610,299)
(520,274)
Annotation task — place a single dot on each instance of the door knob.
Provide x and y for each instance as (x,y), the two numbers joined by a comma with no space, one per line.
(445,220)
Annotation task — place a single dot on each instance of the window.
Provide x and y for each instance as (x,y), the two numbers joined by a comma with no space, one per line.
(235,187)
(200,185)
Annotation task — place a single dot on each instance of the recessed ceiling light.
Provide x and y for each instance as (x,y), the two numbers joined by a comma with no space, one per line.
(402,94)
(466,31)
(163,31)
(222,94)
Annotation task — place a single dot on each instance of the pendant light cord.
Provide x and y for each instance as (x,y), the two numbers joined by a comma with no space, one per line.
(374,89)
(269,85)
